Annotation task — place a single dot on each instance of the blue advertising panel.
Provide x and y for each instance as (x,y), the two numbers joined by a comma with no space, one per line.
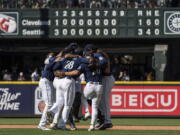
(17,99)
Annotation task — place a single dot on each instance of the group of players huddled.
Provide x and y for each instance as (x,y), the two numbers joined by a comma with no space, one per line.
(61,75)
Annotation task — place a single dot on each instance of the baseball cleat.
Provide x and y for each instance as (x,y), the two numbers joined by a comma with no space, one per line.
(73,128)
(53,126)
(50,116)
(87,115)
(91,128)
(43,128)
(105,125)
(97,125)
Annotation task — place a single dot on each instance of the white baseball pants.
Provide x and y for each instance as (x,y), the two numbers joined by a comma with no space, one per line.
(93,92)
(65,94)
(47,90)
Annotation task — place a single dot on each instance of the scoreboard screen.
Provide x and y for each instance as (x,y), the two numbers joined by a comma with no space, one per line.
(106,23)
(90,23)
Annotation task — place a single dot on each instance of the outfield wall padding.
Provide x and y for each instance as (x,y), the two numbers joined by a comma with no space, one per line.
(127,99)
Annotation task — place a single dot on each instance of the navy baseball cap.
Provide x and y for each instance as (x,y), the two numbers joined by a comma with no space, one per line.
(78,51)
(90,47)
(71,47)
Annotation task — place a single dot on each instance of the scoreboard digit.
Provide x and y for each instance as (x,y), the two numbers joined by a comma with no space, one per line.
(148,23)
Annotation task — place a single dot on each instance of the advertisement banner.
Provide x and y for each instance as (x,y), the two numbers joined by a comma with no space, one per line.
(145,100)
(125,100)
(38,102)
(17,99)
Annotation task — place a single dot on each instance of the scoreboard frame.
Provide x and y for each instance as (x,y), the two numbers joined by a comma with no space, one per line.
(90,23)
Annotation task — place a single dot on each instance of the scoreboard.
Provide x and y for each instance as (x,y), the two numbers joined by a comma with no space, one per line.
(90,23)
(106,23)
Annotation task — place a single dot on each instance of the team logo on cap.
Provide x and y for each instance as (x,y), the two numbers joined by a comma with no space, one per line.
(172,20)
(8,23)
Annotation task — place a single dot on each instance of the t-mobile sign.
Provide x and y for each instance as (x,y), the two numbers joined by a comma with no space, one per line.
(145,100)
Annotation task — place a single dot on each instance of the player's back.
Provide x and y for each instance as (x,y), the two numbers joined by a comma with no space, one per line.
(71,64)
(92,74)
(48,70)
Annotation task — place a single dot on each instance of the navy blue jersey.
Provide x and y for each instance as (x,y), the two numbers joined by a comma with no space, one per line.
(68,65)
(48,69)
(91,74)
(103,62)
(84,60)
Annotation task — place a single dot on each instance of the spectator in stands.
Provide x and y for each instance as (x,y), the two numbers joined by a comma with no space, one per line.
(123,76)
(59,4)
(152,3)
(115,67)
(21,77)
(86,3)
(130,3)
(113,3)
(161,3)
(35,76)
(175,3)
(149,76)
(121,4)
(5,3)
(7,75)
(46,3)
(75,3)
(109,3)
(95,4)
(82,3)
(69,3)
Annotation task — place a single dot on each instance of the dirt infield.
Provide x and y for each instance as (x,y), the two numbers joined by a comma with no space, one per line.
(114,128)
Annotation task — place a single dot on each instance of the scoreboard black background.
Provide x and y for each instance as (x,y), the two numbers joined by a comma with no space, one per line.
(92,23)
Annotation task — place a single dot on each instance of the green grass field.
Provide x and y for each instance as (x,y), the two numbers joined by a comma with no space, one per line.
(83,132)
(120,121)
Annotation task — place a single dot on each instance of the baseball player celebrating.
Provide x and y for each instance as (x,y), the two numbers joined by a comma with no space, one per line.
(79,98)
(93,88)
(46,86)
(107,82)
(65,88)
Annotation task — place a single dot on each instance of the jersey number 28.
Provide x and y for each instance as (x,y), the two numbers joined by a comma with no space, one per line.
(69,65)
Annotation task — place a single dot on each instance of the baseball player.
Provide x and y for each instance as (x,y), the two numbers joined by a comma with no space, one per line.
(108,83)
(78,96)
(65,89)
(46,86)
(77,100)
(93,88)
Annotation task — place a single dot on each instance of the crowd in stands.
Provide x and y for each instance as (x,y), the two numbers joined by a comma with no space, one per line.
(7,75)
(122,68)
(88,3)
